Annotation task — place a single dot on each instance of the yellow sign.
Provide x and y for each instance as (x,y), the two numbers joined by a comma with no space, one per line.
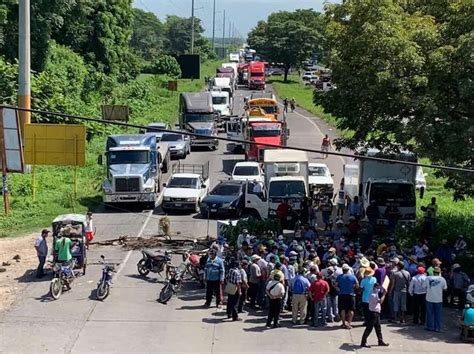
(55,144)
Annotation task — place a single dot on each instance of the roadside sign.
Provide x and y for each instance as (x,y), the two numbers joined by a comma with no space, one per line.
(115,112)
(55,144)
(11,148)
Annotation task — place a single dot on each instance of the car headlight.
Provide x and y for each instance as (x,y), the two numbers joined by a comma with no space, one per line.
(167,199)
(190,199)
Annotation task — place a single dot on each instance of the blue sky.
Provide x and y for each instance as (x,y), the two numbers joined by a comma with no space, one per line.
(243,13)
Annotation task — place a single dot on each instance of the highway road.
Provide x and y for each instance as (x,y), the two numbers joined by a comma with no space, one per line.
(131,320)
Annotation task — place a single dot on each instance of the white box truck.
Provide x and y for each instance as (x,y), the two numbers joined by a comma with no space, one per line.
(385,183)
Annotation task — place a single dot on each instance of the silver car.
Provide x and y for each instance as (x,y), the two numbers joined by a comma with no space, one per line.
(180,144)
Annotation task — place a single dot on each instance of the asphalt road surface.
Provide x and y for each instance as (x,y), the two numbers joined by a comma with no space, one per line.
(130,319)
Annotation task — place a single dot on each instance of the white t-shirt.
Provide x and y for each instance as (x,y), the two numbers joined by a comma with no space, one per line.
(341,196)
(435,285)
(277,289)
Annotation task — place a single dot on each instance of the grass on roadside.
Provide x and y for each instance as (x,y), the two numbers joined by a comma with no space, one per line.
(149,101)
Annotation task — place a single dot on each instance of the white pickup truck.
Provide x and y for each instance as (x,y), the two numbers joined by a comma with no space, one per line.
(186,188)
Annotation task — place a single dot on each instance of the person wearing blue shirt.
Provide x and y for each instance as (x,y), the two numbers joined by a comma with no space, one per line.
(347,284)
(367,284)
(214,274)
(299,288)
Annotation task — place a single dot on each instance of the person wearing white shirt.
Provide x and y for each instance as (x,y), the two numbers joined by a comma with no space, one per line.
(435,285)
(275,292)
(417,290)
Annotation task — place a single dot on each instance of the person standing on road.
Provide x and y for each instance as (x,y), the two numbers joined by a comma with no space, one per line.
(89,229)
(356,209)
(347,284)
(214,273)
(299,289)
(254,279)
(292,104)
(435,285)
(399,283)
(417,290)
(233,290)
(367,285)
(326,145)
(340,197)
(318,292)
(376,298)
(285,105)
(41,246)
(243,267)
(275,292)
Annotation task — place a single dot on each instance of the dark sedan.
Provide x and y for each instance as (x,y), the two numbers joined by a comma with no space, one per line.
(227,198)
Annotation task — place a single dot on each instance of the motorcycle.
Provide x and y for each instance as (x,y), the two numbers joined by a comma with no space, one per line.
(173,285)
(103,286)
(63,278)
(194,267)
(152,262)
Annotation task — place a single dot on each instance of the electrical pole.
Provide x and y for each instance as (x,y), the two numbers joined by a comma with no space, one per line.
(223,37)
(192,27)
(214,27)
(24,63)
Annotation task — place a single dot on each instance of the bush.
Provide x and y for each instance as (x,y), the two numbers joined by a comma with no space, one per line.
(255,227)
(167,65)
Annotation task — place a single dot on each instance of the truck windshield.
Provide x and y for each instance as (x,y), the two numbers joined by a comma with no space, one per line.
(171,137)
(269,109)
(183,182)
(402,194)
(226,189)
(246,171)
(319,171)
(129,157)
(199,117)
(287,189)
(261,132)
(219,100)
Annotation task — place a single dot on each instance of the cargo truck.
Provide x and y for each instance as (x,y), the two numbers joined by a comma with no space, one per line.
(256,79)
(388,184)
(133,170)
(197,115)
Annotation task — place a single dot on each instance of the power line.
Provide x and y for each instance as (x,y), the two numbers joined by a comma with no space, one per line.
(335,153)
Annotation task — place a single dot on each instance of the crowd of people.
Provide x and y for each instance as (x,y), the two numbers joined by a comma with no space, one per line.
(338,275)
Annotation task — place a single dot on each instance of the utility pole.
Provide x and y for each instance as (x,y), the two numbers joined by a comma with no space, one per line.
(192,27)
(24,63)
(214,27)
(223,37)
(230,34)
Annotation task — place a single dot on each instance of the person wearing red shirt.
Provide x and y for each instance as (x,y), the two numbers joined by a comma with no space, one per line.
(317,293)
(283,211)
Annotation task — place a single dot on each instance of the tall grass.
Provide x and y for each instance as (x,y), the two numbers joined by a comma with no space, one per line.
(149,101)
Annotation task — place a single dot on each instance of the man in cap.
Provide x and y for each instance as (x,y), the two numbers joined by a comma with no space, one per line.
(347,284)
(380,272)
(214,274)
(299,289)
(417,290)
(435,285)
(364,265)
(41,246)
(317,293)
(367,285)
(399,283)
(254,280)
(275,292)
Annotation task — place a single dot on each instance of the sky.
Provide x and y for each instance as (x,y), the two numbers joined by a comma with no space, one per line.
(244,14)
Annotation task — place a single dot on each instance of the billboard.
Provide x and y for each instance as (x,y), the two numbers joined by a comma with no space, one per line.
(190,65)
(55,144)
(10,142)
(115,112)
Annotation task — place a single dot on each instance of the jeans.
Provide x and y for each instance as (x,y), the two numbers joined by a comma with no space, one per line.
(319,307)
(232,301)
(253,290)
(419,308)
(433,316)
(40,271)
(332,310)
(372,321)
(274,312)
(213,288)
(298,305)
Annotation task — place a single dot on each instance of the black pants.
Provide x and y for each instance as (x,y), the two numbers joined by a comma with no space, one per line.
(365,310)
(40,270)
(253,290)
(373,321)
(461,295)
(274,312)
(309,311)
(213,287)
(232,302)
(419,308)
(242,298)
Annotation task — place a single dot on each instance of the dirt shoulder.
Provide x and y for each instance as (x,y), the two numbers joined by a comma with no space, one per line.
(15,273)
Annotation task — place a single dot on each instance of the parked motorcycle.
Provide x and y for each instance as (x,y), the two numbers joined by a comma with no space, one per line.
(194,267)
(152,262)
(173,285)
(63,278)
(103,286)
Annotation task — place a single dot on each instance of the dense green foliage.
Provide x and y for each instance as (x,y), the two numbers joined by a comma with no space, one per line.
(147,36)
(167,65)
(289,37)
(402,72)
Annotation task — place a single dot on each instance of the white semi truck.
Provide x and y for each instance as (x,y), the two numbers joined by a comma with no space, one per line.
(386,183)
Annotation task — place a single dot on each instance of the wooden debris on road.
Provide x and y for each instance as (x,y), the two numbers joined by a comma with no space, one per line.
(135,243)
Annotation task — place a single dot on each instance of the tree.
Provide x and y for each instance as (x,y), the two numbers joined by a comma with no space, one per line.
(288,37)
(167,65)
(402,74)
(147,35)
(177,31)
